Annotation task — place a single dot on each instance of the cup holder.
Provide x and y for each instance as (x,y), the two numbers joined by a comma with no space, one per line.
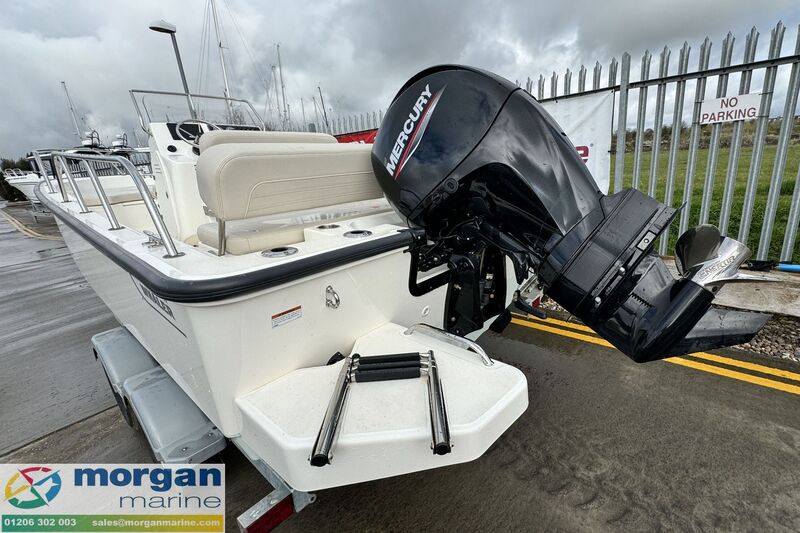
(358,233)
(279,251)
(328,226)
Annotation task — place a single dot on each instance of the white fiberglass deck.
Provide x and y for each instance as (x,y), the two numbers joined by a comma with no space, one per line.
(385,429)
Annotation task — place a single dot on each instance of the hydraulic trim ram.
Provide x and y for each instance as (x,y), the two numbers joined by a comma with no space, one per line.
(483,173)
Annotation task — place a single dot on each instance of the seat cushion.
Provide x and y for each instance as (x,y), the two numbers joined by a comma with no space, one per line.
(247,180)
(263,233)
(216,137)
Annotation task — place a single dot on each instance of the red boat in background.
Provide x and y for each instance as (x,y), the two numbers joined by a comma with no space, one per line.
(361,137)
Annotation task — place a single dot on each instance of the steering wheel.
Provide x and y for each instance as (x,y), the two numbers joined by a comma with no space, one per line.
(188,137)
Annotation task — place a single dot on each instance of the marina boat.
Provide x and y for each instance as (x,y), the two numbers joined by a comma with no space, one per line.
(113,175)
(23,180)
(317,303)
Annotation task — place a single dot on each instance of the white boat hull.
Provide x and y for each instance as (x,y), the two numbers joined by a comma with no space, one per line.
(26,187)
(248,370)
(222,350)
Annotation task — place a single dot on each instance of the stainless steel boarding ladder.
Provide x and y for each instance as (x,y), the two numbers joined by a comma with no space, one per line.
(384,368)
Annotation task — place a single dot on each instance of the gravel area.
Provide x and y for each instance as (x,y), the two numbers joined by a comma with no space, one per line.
(780,337)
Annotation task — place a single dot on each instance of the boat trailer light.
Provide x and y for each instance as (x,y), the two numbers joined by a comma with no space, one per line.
(266,516)
(388,367)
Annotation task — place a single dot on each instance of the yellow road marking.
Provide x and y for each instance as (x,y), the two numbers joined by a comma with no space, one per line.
(749,366)
(764,382)
(700,355)
(25,230)
(565,333)
(17,224)
(573,325)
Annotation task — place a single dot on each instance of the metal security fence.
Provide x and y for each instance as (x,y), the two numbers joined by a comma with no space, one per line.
(742,175)
(338,125)
(682,163)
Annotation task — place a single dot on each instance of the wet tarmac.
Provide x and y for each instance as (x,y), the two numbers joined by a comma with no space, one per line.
(606,444)
(48,312)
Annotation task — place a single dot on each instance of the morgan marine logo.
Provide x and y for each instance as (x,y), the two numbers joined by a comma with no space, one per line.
(413,129)
(32,487)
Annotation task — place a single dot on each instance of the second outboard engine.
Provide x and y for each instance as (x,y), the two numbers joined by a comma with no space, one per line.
(482,173)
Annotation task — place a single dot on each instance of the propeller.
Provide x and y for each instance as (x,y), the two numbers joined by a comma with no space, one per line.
(710,260)
(695,246)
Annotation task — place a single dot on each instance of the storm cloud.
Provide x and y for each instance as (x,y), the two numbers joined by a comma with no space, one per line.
(358,51)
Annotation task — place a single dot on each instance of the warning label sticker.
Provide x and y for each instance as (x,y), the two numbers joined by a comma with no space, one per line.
(284,317)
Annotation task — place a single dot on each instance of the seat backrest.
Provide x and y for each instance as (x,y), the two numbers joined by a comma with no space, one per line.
(215,137)
(238,181)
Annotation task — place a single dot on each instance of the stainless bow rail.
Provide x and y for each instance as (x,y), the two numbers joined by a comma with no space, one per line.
(15,173)
(42,169)
(89,161)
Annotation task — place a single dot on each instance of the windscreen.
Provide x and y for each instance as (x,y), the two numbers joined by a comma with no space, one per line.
(156,106)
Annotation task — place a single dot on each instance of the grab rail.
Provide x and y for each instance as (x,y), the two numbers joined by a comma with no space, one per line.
(59,161)
(37,156)
(141,186)
(450,338)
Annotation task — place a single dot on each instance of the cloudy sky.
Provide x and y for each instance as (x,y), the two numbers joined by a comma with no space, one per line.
(358,51)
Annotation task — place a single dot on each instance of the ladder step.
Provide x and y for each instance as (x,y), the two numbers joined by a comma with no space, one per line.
(363,375)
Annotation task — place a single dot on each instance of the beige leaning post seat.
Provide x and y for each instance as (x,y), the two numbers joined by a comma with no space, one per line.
(250,188)
(216,137)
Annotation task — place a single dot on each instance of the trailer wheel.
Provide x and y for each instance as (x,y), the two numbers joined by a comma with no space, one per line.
(122,404)
(141,437)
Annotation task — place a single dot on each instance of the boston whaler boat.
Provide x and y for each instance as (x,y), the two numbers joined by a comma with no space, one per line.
(314,302)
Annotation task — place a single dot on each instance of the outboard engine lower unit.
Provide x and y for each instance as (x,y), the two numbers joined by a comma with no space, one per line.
(482,173)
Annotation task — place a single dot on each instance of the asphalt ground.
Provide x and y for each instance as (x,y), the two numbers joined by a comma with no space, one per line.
(47,315)
(702,442)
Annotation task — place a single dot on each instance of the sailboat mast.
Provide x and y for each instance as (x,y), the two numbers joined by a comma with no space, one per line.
(324,112)
(72,112)
(316,114)
(226,90)
(136,138)
(303,110)
(277,100)
(283,85)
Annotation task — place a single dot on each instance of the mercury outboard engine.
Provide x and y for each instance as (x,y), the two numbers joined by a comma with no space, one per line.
(482,173)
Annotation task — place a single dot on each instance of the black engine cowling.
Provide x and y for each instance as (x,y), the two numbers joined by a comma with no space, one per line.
(482,172)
